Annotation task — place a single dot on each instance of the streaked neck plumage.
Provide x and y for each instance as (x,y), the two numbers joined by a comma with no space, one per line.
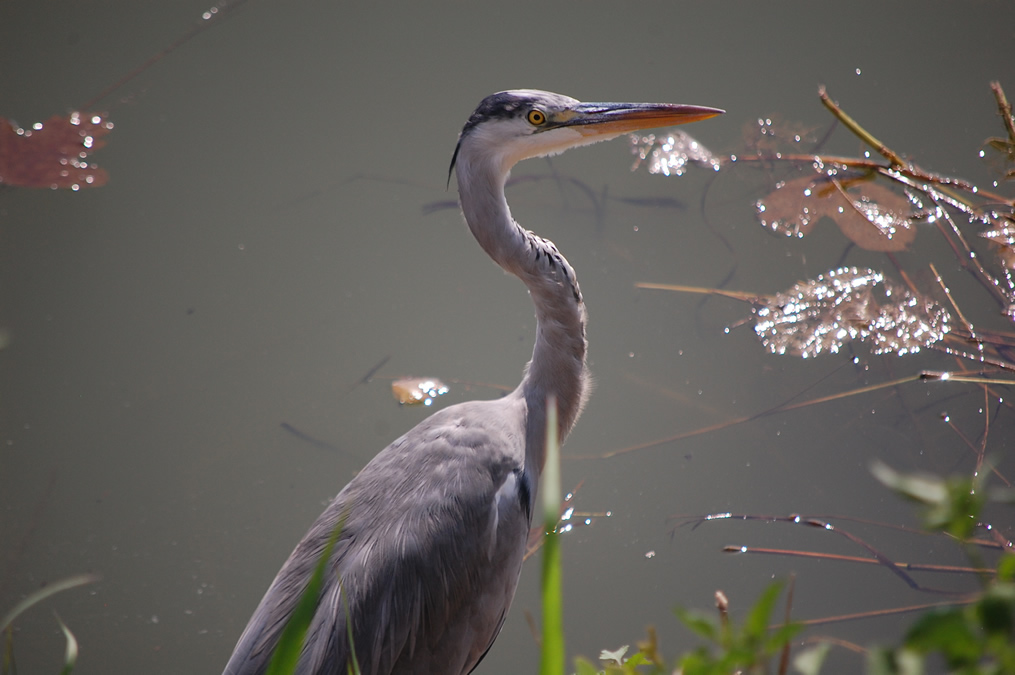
(558,365)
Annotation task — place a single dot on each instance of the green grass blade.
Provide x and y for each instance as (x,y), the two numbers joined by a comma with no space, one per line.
(552,660)
(70,657)
(43,593)
(290,644)
(351,668)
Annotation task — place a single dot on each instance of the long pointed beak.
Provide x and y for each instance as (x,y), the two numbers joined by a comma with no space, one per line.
(602,119)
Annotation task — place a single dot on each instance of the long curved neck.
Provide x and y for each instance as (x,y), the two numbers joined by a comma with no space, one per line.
(558,359)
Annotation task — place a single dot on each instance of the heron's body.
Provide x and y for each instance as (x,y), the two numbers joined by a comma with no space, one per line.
(435,526)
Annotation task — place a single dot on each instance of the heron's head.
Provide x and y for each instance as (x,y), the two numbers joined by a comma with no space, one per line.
(510,126)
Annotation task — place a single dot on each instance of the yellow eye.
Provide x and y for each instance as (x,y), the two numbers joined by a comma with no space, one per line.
(536,117)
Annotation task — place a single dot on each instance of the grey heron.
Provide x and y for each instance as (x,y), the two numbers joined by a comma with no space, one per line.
(435,525)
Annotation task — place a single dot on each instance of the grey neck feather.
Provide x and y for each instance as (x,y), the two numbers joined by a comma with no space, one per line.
(558,359)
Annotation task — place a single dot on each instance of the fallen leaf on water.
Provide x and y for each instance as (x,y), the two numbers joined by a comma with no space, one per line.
(51,154)
(418,390)
(875,220)
(1003,238)
(823,314)
(870,215)
(1003,157)
(792,208)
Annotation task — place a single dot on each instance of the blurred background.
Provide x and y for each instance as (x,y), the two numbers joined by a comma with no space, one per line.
(276,224)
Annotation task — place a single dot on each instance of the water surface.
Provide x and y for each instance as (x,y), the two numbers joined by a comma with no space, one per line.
(265,240)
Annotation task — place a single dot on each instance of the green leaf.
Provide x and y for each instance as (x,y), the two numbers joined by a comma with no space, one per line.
(636,659)
(756,623)
(1006,568)
(924,489)
(783,634)
(951,506)
(809,661)
(947,631)
(696,663)
(583,667)
(881,661)
(699,622)
(994,610)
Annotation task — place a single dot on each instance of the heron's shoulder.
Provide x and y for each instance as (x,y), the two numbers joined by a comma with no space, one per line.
(480,431)
(466,450)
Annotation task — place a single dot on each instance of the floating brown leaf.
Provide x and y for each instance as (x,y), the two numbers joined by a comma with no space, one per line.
(792,208)
(51,154)
(876,220)
(1003,156)
(822,314)
(418,390)
(1003,238)
(871,216)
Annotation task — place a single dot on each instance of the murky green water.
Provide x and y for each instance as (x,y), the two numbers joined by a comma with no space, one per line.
(265,240)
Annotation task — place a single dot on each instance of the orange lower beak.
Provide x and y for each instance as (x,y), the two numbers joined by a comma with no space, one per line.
(595,119)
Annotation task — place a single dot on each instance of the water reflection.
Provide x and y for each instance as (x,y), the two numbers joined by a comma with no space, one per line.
(418,390)
(823,314)
(670,152)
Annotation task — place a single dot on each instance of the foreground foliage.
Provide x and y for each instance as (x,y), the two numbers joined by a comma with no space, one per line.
(975,636)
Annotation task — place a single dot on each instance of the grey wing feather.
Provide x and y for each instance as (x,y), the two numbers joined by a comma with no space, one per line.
(427,560)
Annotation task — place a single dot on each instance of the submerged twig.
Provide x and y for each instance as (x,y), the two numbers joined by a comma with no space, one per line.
(786,407)
(213,13)
(909,567)
(369,374)
(876,613)
(734,295)
(307,438)
(878,557)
